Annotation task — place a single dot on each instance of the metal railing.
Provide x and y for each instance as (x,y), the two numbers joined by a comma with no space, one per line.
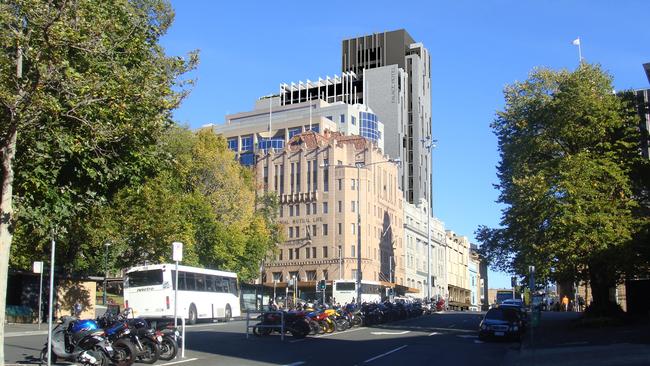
(272,326)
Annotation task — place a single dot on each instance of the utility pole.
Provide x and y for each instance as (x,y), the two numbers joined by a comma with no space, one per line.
(429,144)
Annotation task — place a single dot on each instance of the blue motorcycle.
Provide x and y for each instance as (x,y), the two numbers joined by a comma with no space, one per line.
(79,341)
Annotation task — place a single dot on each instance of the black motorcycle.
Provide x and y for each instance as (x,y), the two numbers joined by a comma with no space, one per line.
(82,341)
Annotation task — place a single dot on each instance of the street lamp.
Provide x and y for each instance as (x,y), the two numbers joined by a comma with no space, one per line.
(429,144)
(106,245)
(358,165)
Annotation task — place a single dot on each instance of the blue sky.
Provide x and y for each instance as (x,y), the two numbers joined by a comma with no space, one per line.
(477,47)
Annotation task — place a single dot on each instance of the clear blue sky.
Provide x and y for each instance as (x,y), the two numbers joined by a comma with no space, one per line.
(477,47)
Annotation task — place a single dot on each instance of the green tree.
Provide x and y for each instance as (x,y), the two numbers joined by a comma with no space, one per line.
(85,92)
(568,147)
(201,197)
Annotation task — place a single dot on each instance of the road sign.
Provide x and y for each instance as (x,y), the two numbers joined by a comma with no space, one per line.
(177,251)
(38,267)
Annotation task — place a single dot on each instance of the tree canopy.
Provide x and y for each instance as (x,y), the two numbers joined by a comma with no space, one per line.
(569,147)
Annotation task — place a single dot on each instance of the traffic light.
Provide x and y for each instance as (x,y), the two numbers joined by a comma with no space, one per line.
(322,285)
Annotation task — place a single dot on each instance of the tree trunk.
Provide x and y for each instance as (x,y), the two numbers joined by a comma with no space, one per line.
(601,281)
(7,154)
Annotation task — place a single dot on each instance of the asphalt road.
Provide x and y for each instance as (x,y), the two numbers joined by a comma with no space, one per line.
(439,339)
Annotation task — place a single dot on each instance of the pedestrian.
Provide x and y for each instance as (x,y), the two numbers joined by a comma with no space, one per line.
(565,302)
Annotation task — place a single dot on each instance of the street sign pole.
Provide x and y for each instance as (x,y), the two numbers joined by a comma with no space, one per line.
(49,318)
(38,268)
(177,256)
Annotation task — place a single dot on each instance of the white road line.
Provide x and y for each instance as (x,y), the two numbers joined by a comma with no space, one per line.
(327,335)
(384,354)
(25,334)
(181,361)
(432,334)
(296,363)
(390,333)
(453,330)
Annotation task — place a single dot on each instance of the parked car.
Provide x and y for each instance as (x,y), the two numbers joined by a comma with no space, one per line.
(523,315)
(501,323)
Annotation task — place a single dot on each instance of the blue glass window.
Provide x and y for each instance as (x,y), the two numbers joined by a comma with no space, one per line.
(369,127)
(275,143)
(294,131)
(232,144)
(314,128)
(247,143)
(354,120)
(330,118)
(247,159)
(342,118)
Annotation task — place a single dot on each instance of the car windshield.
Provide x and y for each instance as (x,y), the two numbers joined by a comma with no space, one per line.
(501,314)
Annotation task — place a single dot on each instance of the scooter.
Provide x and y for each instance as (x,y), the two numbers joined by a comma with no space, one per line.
(80,341)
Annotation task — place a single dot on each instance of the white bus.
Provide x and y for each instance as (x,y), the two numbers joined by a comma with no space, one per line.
(202,293)
(345,290)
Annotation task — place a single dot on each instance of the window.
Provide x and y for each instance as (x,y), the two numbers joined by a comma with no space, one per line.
(353,251)
(295,275)
(313,252)
(340,228)
(340,182)
(247,143)
(290,210)
(296,230)
(290,232)
(298,210)
(353,206)
(339,162)
(313,208)
(313,230)
(232,144)
(325,207)
(353,228)
(277,276)
(325,253)
(325,274)
(297,252)
(326,176)
(330,118)
(340,206)
(342,118)
(290,254)
(353,184)
(294,131)
(324,229)
(354,120)
(281,209)
(308,254)
(308,209)
(280,254)
(311,275)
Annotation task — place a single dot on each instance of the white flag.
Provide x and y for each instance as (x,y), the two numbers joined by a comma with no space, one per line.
(576,42)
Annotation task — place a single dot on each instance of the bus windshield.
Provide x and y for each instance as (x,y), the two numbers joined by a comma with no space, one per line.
(345,286)
(144,278)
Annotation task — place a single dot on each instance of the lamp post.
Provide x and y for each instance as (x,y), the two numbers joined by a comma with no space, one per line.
(106,245)
(429,144)
(358,165)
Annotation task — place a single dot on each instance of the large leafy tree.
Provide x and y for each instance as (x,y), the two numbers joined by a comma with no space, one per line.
(568,148)
(201,197)
(85,92)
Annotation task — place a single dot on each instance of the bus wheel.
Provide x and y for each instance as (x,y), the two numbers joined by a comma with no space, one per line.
(192,316)
(228,313)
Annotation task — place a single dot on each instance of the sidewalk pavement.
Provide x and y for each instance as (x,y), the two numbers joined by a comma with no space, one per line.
(560,340)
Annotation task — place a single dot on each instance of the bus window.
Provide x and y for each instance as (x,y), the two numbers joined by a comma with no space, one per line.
(200,281)
(225,285)
(190,285)
(233,287)
(144,278)
(345,286)
(209,283)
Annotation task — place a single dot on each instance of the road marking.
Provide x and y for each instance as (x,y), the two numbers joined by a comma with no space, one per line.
(390,333)
(453,330)
(181,361)
(432,334)
(327,335)
(25,334)
(384,354)
(466,336)
(296,363)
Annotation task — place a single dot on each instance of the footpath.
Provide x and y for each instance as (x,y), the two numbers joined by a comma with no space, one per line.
(561,339)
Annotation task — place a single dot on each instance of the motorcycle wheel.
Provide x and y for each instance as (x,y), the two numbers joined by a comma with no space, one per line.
(331,327)
(168,349)
(314,327)
(259,331)
(102,358)
(356,321)
(342,325)
(300,330)
(124,353)
(43,356)
(150,351)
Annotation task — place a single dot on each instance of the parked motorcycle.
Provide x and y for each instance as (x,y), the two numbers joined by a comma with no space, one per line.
(135,330)
(82,341)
